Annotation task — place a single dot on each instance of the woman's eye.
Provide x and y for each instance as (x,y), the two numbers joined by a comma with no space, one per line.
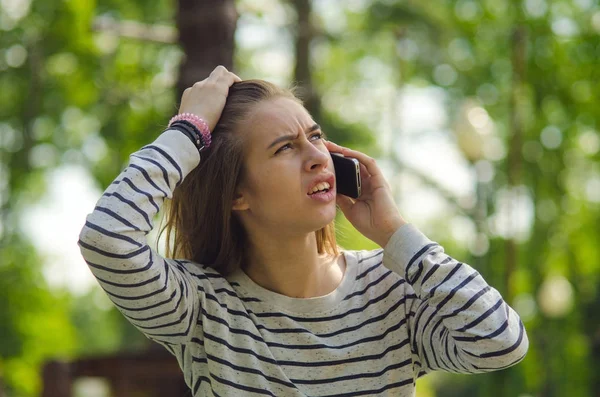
(286,146)
(318,135)
(313,137)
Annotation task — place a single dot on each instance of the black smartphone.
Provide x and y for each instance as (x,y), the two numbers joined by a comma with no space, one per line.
(347,175)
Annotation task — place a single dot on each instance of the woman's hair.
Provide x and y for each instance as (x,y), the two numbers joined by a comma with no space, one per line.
(200,224)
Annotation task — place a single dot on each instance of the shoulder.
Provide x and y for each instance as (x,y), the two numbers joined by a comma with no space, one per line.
(203,275)
(368,263)
(373,281)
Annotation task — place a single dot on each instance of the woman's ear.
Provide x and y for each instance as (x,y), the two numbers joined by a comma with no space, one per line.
(240,203)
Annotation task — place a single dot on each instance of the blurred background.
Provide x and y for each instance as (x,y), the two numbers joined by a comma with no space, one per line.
(485,116)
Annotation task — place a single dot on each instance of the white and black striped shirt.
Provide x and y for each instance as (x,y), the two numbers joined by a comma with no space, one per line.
(399,312)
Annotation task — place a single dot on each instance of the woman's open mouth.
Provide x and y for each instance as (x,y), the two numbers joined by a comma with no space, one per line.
(322,192)
(323,188)
(320,188)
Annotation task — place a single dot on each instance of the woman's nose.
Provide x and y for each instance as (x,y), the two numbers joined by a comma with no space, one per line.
(317,158)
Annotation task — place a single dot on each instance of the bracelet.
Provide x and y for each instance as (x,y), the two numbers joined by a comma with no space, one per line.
(190,131)
(199,125)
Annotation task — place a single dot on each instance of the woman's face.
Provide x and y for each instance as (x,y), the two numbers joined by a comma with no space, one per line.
(285,158)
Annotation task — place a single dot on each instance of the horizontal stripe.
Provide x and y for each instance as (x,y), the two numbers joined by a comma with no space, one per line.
(343,330)
(131,204)
(357,376)
(433,269)
(505,351)
(249,371)
(148,179)
(145,308)
(482,317)
(369,270)
(239,386)
(165,174)
(164,314)
(373,338)
(259,338)
(337,316)
(108,233)
(172,334)
(109,254)
(145,296)
(477,338)
(378,252)
(374,392)
(138,190)
(468,304)
(368,286)
(230,329)
(363,358)
(138,297)
(416,256)
(116,216)
(454,290)
(451,274)
(120,271)
(199,381)
(133,285)
(248,313)
(304,364)
(499,368)
(169,159)
(178,321)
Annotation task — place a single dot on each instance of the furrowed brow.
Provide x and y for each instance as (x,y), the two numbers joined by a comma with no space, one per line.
(290,137)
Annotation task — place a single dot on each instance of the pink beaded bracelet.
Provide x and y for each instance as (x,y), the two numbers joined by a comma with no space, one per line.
(197,122)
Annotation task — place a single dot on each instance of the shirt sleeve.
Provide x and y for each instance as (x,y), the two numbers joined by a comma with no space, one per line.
(458,322)
(159,296)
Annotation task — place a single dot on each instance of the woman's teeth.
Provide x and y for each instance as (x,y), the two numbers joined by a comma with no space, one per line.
(320,186)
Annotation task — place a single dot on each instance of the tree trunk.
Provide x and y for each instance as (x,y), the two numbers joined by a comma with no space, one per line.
(206,35)
(305,33)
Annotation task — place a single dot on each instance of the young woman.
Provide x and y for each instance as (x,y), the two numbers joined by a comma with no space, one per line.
(262,301)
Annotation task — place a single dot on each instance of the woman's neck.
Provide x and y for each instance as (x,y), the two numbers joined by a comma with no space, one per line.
(293,267)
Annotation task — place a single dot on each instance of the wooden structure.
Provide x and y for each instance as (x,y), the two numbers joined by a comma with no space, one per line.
(151,373)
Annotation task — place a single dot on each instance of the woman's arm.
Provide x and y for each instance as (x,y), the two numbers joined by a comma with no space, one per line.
(460,323)
(154,294)
(160,297)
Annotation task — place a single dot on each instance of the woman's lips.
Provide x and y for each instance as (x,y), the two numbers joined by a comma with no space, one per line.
(324,196)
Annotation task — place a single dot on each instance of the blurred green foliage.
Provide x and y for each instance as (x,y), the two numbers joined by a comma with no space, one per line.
(68,95)
(72,94)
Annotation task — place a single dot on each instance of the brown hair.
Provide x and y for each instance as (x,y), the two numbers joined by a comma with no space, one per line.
(200,224)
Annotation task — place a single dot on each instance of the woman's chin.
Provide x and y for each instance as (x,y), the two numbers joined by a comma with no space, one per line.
(325,217)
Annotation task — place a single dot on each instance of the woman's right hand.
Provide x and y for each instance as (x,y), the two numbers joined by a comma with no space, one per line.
(206,98)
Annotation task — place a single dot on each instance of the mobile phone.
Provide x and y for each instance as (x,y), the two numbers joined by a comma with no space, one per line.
(347,175)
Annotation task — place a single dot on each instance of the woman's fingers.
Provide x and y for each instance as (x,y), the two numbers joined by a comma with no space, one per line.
(221,74)
(364,171)
(345,203)
(207,98)
(218,72)
(333,147)
(368,162)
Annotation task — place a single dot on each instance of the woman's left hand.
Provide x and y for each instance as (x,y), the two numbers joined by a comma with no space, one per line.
(374,214)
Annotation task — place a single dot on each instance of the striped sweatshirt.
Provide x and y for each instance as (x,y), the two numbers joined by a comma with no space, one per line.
(398,313)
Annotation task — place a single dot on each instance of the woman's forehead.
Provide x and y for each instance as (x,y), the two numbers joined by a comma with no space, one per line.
(278,116)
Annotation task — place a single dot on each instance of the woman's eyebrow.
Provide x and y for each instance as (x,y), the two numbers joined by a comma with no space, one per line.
(289,137)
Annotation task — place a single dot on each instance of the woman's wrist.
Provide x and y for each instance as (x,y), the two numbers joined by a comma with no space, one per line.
(188,130)
(194,127)
(390,231)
